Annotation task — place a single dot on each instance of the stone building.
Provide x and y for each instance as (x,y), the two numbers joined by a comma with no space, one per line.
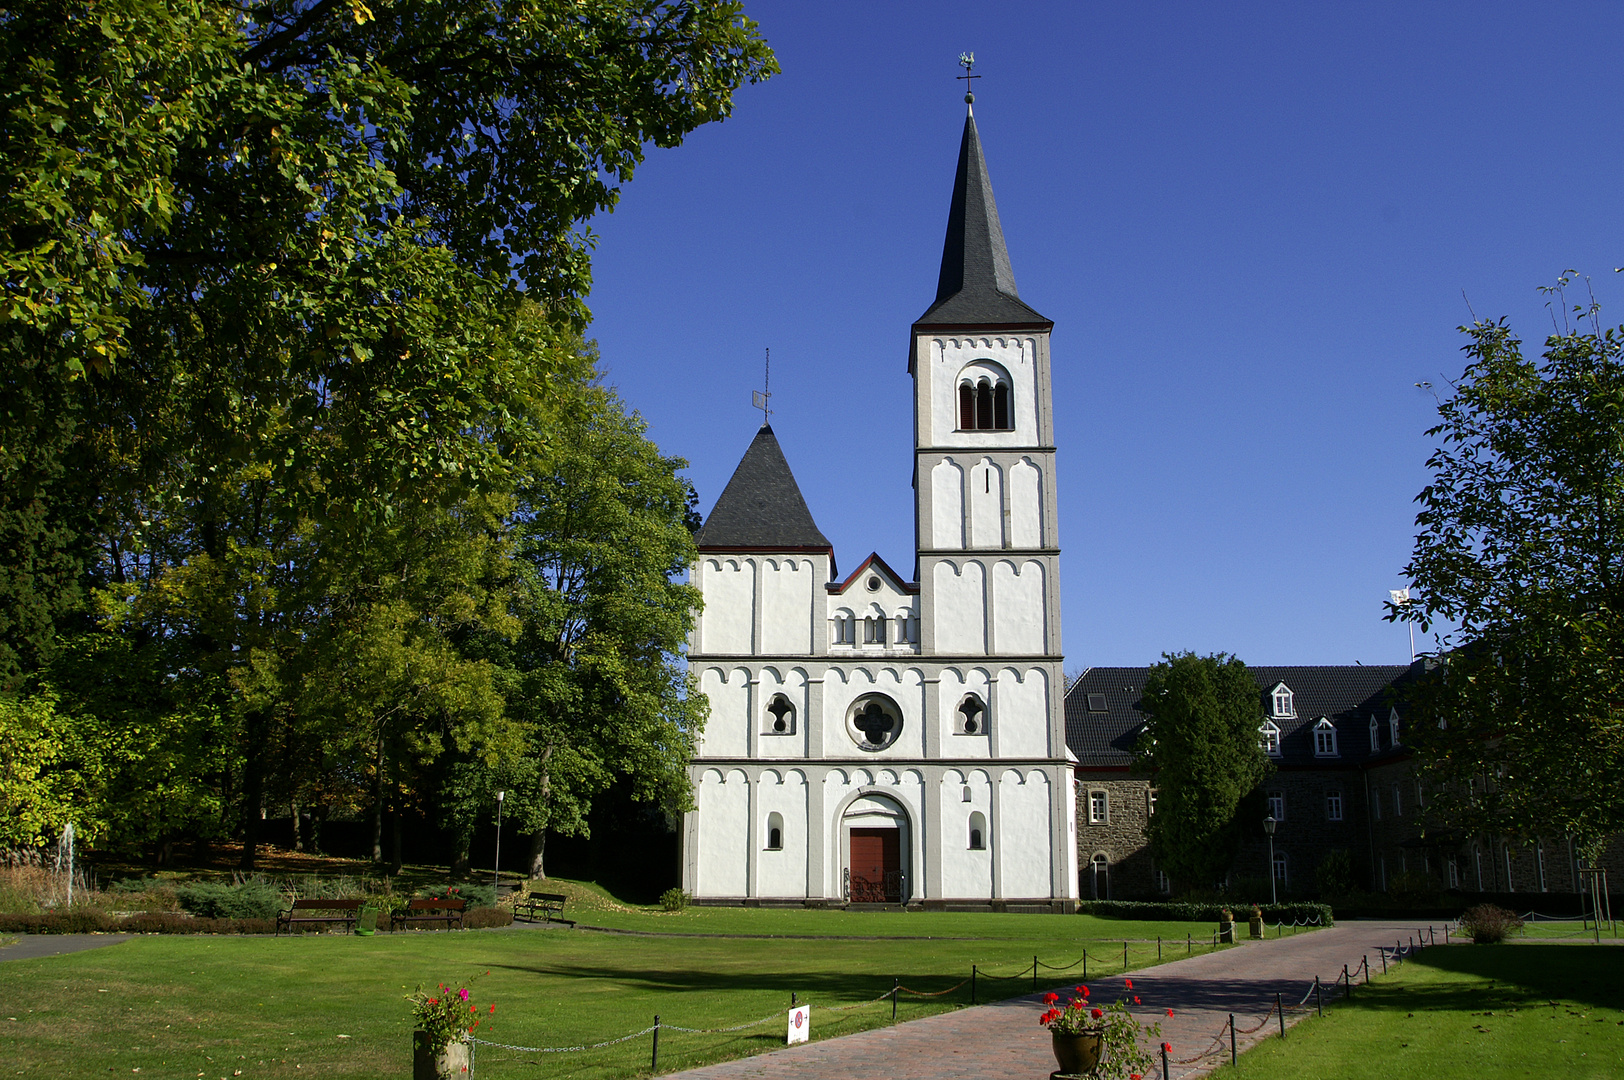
(881,738)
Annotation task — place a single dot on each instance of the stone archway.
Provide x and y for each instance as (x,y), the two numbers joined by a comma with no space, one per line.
(876,848)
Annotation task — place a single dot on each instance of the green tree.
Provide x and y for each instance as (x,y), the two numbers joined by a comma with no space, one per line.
(1519,722)
(1201,741)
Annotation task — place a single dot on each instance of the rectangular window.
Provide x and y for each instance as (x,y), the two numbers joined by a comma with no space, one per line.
(1539,858)
(1454,873)
(1324,739)
(1376,805)
(1163,884)
(1098,809)
(1150,802)
(1333,806)
(1271,739)
(1280,868)
(1277,805)
(1398,802)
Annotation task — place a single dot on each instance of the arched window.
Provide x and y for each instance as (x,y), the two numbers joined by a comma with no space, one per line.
(985,398)
(970,718)
(775,831)
(1000,407)
(984,405)
(967,406)
(1100,873)
(780,716)
(874,630)
(1375,734)
(978,831)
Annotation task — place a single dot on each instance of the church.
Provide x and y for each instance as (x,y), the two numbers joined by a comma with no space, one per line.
(876,739)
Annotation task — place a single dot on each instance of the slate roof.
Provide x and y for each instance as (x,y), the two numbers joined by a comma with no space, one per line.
(977,285)
(761,509)
(1345,695)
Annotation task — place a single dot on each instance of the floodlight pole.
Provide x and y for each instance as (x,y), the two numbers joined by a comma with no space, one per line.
(496,871)
(1268,829)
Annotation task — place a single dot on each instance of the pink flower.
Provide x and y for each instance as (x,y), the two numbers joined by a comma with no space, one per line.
(463,994)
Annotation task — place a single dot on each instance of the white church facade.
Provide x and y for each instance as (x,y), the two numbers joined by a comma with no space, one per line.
(874,739)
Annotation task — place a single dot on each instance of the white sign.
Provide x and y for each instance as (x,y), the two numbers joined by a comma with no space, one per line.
(800,1024)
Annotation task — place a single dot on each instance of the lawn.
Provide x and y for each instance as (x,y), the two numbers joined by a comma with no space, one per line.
(1489,1012)
(332,1005)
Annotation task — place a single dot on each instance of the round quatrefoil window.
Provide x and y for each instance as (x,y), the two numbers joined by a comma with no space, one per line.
(874,721)
(873,584)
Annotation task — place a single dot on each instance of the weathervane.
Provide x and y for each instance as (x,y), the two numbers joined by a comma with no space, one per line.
(759,397)
(967,61)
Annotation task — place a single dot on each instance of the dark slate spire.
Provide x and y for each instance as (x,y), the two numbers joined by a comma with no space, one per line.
(977,285)
(761,509)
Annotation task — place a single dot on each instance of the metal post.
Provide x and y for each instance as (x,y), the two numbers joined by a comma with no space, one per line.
(496,871)
(654,1062)
(1034,974)
(1348,980)
(1367,968)
(1124,956)
(895,984)
(1384,961)
(792,999)
(1085,963)
(1319,997)
(1158,948)
(1231,1039)
(972,984)
(1165,1074)
(1280,1008)
(1188,946)
(1432,938)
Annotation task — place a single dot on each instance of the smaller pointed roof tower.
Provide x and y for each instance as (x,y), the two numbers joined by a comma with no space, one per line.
(977,285)
(762,509)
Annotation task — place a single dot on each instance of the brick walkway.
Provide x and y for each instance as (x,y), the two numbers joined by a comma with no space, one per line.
(1005,1039)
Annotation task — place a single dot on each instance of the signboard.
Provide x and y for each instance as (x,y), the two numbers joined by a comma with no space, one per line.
(800,1024)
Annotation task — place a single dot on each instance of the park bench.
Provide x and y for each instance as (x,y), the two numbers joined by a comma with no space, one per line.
(431,911)
(546,904)
(319,911)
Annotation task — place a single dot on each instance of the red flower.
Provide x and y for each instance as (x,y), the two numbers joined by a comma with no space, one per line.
(1167,1048)
(1130,984)
(1136,999)
(1084,989)
(1170,1014)
(1135,1076)
(1097,1013)
(1050,998)
(493,1009)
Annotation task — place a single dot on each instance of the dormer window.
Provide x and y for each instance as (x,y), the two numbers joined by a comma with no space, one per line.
(1375,734)
(1392,726)
(1324,738)
(1283,707)
(1270,742)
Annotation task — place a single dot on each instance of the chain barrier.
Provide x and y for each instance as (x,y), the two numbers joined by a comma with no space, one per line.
(936,993)
(721,1030)
(564,1049)
(1064,967)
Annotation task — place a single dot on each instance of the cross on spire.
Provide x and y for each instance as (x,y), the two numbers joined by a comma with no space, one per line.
(760,398)
(967,61)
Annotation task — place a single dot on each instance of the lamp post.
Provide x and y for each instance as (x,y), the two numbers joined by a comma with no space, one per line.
(1268,828)
(496,873)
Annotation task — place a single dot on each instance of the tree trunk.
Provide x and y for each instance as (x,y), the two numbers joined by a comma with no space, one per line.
(394,839)
(298,840)
(538,850)
(257,730)
(377,806)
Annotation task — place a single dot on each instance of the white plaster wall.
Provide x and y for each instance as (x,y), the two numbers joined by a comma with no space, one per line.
(1023,713)
(1024,833)
(947,505)
(724,818)
(966,874)
(1018,607)
(782,873)
(960,609)
(790,682)
(844,685)
(727,732)
(1025,505)
(730,605)
(986,505)
(786,613)
(948,356)
(951,687)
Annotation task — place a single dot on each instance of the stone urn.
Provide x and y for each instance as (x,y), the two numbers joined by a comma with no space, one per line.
(450,1063)
(1077,1054)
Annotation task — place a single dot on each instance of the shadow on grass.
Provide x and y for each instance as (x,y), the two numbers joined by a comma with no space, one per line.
(1519,975)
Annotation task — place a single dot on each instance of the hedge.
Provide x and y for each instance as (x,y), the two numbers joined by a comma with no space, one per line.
(91,921)
(1299,911)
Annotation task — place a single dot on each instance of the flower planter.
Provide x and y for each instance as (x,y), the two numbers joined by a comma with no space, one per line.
(1256,926)
(450,1063)
(1077,1054)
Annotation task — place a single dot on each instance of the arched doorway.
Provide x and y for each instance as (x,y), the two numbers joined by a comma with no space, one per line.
(874,829)
(1100,877)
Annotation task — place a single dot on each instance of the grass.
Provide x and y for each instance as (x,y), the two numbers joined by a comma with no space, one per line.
(276,1008)
(1490,1012)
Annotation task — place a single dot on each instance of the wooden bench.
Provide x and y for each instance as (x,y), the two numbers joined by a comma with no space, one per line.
(308,911)
(431,911)
(547,904)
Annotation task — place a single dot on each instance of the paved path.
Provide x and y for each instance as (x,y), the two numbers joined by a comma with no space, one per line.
(34,946)
(1005,1039)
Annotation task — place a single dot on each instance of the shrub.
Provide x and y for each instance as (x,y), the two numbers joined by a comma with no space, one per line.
(486,917)
(1488,924)
(255,898)
(1296,911)
(76,921)
(674,899)
(1333,878)
(1414,889)
(477,896)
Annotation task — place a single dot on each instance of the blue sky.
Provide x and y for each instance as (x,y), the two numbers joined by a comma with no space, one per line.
(1255,226)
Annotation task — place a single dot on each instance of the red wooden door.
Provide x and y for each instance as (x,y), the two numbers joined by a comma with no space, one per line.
(876,865)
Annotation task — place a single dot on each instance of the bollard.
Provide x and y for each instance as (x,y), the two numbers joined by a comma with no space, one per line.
(895,983)
(1319,997)
(1034,974)
(972,984)
(1367,968)
(1158,948)
(1446,933)
(1165,1074)
(792,999)
(1432,939)
(1124,956)
(1384,961)
(1348,981)
(654,1061)
(1232,1039)
(1188,945)
(1280,1008)
(1085,964)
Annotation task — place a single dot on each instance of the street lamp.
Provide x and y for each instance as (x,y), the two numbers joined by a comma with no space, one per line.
(496,873)
(1268,828)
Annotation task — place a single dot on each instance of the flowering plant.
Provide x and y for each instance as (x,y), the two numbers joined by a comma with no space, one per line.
(448,1014)
(1121,1055)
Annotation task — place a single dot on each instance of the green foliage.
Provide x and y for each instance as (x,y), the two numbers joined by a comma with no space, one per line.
(1487,924)
(36,798)
(476,895)
(251,899)
(1201,740)
(448,1014)
(1333,877)
(1297,911)
(674,899)
(1519,547)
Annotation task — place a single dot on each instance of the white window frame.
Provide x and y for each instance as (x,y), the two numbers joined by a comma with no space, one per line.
(1325,739)
(1284,701)
(1392,726)
(1375,735)
(1280,868)
(1333,805)
(1164,884)
(1271,738)
(1454,873)
(1277,805)
(1099,806)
